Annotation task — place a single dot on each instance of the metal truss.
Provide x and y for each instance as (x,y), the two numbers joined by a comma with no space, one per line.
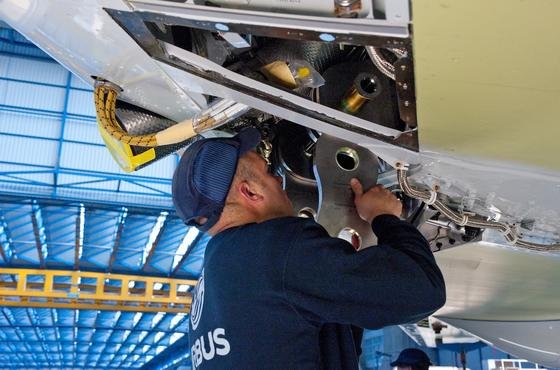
(56,178)
(62,338)
(92,290)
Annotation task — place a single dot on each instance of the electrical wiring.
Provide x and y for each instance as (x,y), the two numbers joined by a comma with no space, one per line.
(218,114)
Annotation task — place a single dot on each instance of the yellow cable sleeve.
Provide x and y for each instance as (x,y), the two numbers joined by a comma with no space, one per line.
(105,99)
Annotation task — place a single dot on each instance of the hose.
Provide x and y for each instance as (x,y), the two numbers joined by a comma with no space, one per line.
(381,63)
(509,231)
(105,98)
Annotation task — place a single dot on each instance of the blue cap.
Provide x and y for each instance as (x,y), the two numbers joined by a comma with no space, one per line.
(411,357)
(203,177)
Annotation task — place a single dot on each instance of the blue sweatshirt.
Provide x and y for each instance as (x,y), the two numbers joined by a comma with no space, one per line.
(284,295)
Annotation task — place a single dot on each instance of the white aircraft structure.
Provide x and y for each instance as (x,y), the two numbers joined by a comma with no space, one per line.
(454,105)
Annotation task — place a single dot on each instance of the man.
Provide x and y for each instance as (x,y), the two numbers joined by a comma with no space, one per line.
(276,291)
(412,359)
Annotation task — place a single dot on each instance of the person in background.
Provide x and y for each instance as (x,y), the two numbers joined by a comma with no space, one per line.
(412,359)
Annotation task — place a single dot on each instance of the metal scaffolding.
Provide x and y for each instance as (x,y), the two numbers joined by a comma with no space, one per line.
(93,290)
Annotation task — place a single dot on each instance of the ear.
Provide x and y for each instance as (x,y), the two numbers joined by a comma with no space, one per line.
(249,192)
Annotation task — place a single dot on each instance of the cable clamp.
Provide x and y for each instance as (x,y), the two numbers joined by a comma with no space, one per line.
(403,166)
(432,199)
(101,83)
(464,220)
(510,234)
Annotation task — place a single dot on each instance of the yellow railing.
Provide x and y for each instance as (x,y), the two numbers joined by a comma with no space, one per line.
(93,290)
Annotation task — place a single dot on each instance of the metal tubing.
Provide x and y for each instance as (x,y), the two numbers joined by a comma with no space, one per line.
(509,231)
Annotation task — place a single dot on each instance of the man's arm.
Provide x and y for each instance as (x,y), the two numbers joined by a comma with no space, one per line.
(395,282)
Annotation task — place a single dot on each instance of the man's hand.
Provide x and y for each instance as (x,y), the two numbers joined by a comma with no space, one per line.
(374,202)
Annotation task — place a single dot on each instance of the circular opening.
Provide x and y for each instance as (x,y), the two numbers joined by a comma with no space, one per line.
(347,159)
(351,236)
(368,84)
(307,212)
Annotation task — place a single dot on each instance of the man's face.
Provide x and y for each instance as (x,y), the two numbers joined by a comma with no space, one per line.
(404,367)
(277,201)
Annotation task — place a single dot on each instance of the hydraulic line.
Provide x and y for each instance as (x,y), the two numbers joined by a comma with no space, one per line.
(221,112)
(509,231)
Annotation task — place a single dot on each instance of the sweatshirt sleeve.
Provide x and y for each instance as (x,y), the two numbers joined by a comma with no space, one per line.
(395,282)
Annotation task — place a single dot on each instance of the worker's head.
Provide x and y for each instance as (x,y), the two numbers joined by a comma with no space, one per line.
(223,181)
(412,359)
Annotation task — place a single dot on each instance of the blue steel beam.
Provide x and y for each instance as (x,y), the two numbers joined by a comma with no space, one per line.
(133,240)
(117,348)
(11,134)
(185,257)
(96,176)
(11,45)
(65,321)
(191,266)
(39,231)
(101,199)
(134,337)
(37,333)
(176,351)
(61,233)
(17,176)
(115,339)
(47,84)
(106,175)
(6,250)
(6,317)
(155,245)
(79,236)
(160,326)
(117,239)
(8,53)
(46,112)
(62,126)
(95,327)
(20,231)
(170,237)
(39,365)
(100,228)
(61,227)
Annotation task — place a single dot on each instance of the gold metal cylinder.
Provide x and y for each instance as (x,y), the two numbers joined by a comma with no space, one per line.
(353,101)
(365,87)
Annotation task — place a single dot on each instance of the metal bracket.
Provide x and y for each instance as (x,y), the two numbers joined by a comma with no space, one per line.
(336,162)
(404,78)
